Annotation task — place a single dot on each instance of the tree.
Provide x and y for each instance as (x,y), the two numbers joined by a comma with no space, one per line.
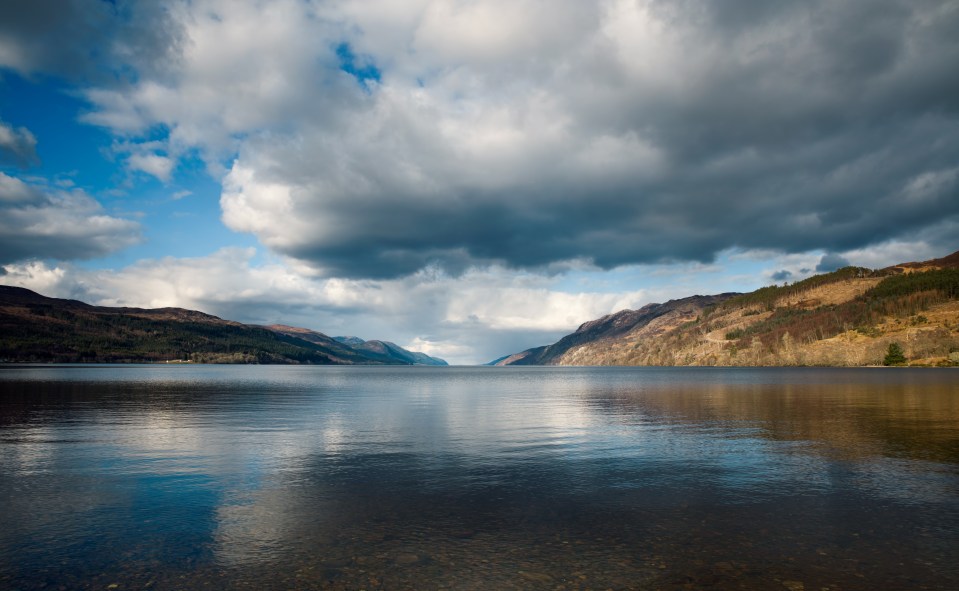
(895,355)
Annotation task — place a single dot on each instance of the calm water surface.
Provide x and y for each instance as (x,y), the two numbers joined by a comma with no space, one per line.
(133,477)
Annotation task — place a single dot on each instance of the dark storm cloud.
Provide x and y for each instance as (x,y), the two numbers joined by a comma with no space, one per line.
(831,262)
(619,133)
(787,126)
(88,40)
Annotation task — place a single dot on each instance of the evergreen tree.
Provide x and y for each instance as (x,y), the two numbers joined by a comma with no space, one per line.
(895,355)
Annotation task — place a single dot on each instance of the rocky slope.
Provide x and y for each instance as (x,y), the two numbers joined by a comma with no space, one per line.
(845,318)
(35,328)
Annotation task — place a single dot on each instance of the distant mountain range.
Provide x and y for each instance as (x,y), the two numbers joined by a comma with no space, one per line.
(35,328)
(845,318)
(376,350)
(391,350)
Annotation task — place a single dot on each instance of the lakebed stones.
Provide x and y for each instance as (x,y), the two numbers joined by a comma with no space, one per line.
(407,558)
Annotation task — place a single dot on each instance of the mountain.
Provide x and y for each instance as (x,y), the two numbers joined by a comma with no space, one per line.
(845,318)
(35,328)
(351,341)
(343,354)
(391,351)
(649,321)
(498,360)
(379,351)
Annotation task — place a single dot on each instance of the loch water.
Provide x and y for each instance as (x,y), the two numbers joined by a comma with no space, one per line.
(291,477)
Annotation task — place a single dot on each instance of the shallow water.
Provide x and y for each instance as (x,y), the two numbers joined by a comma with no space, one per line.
(286,477)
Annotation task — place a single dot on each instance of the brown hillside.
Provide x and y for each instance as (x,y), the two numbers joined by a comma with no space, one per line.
(845,318)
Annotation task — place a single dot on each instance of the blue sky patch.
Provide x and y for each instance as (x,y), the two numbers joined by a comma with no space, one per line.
(360,67)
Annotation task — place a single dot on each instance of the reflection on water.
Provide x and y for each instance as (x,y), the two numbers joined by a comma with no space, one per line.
(478,478)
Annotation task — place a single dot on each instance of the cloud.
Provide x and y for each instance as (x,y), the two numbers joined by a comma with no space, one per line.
(17,146)
(932,242)
(153,157)
(782,275)
(528,133)
(830,262)
(102,42)
(620,132)
(155,164)
(37,222)
(236,69)
(910,249)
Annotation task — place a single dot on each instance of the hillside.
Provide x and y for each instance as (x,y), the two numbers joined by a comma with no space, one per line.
(650,321)
(845,318)
(383,351)
(35,328)
(391,351)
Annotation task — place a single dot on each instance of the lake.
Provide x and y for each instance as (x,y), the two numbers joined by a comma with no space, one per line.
(286,477)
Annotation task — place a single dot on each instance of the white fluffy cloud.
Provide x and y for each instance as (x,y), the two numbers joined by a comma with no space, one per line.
(38,221)
(240,67)
(154,164)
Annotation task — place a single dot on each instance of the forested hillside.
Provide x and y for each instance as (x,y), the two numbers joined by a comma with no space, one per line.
(34,328)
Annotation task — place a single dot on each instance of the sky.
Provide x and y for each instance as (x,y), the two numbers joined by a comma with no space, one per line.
(468,178)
